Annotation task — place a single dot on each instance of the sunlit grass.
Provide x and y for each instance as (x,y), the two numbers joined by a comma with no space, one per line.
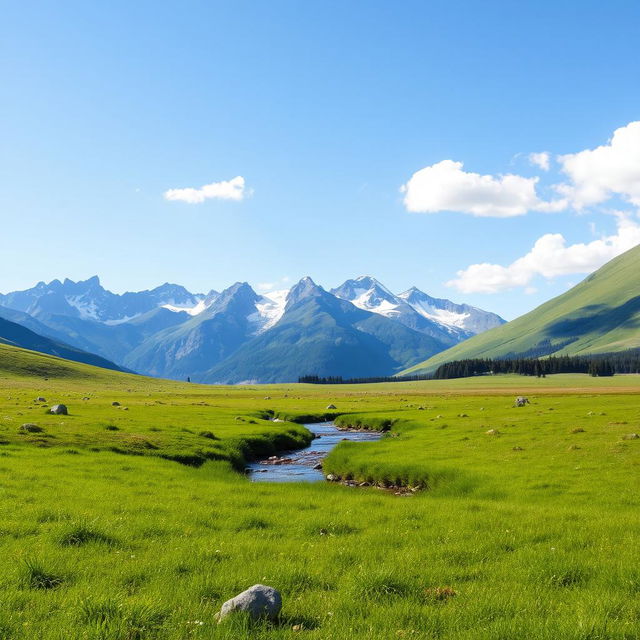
(528,533)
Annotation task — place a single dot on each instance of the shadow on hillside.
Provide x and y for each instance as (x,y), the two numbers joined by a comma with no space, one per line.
(597,319)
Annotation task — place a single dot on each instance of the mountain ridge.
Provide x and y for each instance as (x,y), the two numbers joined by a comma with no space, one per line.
(168,331)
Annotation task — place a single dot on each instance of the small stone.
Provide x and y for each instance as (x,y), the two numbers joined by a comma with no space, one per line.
(29,427)
(631,436)
(40,399)
(492,432)
(59,410)
(318,466)
(115,403)
(259,601)
(331,477)
(330,407)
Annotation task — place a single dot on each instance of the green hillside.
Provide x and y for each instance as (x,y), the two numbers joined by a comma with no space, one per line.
(17,335)
(600,315)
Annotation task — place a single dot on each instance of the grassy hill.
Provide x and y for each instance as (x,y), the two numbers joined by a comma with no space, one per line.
(12,333)
(599,315)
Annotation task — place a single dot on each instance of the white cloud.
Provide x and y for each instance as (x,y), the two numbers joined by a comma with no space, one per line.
(611,169)
(226,190)
(266,287)
(540,160)
(549,257)
(444,186)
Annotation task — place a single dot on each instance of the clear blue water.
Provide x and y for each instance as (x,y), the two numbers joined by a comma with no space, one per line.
(301,469)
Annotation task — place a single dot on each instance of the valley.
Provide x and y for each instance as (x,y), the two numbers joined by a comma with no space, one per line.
(136,520)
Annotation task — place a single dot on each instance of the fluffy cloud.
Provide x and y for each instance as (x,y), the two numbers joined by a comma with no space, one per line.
(540,160)
(549,257)
(226,190)
(598,174)
(444,186)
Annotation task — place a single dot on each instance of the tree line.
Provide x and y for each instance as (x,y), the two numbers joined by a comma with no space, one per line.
(310,379)
(601,365)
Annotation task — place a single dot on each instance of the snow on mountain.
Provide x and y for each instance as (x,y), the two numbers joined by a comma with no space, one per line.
(87,309)
(449,314)
(367,293)
(202,303)
(459,321)
(270,308)
(442,316)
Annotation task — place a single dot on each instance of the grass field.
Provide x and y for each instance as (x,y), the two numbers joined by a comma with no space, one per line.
(132,522)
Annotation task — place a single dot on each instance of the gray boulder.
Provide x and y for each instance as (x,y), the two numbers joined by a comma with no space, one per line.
(521,401)
(258,601)
(331,406)
(59,410)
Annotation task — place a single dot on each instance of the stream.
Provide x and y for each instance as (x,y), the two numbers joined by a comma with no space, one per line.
(300,465)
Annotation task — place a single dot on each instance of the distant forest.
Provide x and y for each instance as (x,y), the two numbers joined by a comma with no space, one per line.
(602,365)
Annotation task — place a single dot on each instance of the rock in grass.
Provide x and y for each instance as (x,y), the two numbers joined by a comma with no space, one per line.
(40,399)
(631,436)
(115,403)
(521,401)
(29,427)
(331,407)
(258,601)
(59,410)
(492,432)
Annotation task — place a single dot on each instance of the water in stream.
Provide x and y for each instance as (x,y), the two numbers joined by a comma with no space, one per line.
(301,469)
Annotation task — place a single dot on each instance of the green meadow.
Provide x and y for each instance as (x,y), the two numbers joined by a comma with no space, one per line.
(134,520)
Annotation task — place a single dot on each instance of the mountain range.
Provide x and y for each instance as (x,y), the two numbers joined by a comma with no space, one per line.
(599,315)
(356,330)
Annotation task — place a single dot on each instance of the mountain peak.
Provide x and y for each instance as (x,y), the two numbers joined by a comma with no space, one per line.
(305,288)
(238,290)
(365,292)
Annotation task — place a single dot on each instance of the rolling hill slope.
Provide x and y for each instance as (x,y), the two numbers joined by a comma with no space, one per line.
(18,336)
(599,315)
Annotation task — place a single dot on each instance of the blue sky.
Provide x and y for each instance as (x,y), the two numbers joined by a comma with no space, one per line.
(325,109)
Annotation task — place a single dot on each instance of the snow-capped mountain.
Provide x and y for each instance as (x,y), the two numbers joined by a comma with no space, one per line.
(450,314)
(367,293)
(361,328)
(441,319)
(89,300)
